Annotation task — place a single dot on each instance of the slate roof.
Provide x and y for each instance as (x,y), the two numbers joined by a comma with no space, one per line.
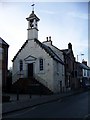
(32,16)
(3,42)
(49,51)
(66,51)
(46,48)
(20,50)
(84,66)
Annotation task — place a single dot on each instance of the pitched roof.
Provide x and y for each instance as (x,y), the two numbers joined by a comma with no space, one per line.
(20,50)
(3,42)
(46,48)
(83,66)
(66,51)
(49,51)
(32,16)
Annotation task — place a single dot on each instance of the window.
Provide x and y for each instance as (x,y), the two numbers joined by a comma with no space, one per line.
(21,65)
(41,64)
(85,72)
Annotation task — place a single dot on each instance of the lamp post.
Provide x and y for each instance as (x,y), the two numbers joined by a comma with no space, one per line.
(79,55)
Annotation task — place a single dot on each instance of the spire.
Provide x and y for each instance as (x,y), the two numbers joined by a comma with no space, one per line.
(32,25)
(32,7)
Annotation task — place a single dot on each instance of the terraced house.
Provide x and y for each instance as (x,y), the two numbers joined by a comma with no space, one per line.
(83,74)
(38,63)
(70,68)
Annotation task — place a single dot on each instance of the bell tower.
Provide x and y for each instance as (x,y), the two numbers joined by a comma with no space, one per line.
(32,25)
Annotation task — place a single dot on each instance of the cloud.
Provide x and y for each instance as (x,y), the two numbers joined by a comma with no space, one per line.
(79,15)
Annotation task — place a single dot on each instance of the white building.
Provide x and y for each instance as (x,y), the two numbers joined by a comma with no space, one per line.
(43,61)
(86,74)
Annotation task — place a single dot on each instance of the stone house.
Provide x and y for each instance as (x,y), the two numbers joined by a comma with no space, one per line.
(69,60)
(42,61)
(82,73)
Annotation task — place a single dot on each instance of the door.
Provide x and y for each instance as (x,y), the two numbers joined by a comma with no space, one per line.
(30,70)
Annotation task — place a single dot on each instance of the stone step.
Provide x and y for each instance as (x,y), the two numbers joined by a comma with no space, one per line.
(30,85)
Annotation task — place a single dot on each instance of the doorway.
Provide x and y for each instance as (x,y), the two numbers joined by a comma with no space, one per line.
(30,70)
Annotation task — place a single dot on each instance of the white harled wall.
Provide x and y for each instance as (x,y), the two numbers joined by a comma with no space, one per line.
(59,69)
(33,33)
(33,49)
(58,76)
(50,77)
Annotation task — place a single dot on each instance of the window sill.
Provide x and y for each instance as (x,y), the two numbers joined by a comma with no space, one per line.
(41,72)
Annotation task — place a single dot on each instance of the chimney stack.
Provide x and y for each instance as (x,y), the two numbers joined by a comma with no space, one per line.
(84,62)
(70,46)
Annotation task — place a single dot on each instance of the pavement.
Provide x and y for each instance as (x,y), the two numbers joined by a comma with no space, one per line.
(26,102)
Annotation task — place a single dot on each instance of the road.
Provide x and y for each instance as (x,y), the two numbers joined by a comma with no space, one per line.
(76,106)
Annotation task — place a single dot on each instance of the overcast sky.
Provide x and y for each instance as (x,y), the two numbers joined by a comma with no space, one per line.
(64,21)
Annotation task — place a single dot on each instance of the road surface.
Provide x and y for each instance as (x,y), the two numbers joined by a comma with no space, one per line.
(76,106)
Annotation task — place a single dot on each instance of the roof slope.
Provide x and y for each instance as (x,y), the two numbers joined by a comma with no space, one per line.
(43,46)
(20,50)
(3,42)
(32,16)
(64,50)
(49,51)
(84,66)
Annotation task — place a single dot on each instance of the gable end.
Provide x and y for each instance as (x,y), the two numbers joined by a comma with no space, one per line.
(20,50)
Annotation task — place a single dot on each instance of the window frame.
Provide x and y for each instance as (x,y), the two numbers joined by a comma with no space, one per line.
(21,65)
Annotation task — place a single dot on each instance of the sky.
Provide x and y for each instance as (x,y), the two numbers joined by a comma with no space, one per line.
(64,21)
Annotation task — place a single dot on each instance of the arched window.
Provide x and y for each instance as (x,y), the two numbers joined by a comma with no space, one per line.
(41,64)
(21,65)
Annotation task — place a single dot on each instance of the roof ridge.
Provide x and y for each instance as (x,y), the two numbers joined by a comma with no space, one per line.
(55,54)
(51,54)
(20,49)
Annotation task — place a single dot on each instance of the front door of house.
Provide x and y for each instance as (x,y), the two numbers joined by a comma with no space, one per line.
(30,70)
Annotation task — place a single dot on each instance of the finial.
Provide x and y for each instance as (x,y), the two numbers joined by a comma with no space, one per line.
(32,7)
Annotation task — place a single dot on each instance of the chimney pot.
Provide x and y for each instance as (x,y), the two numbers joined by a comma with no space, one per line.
(50,38)
(47,38)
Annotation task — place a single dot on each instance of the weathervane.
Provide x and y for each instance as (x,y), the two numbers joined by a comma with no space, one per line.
(32,7)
